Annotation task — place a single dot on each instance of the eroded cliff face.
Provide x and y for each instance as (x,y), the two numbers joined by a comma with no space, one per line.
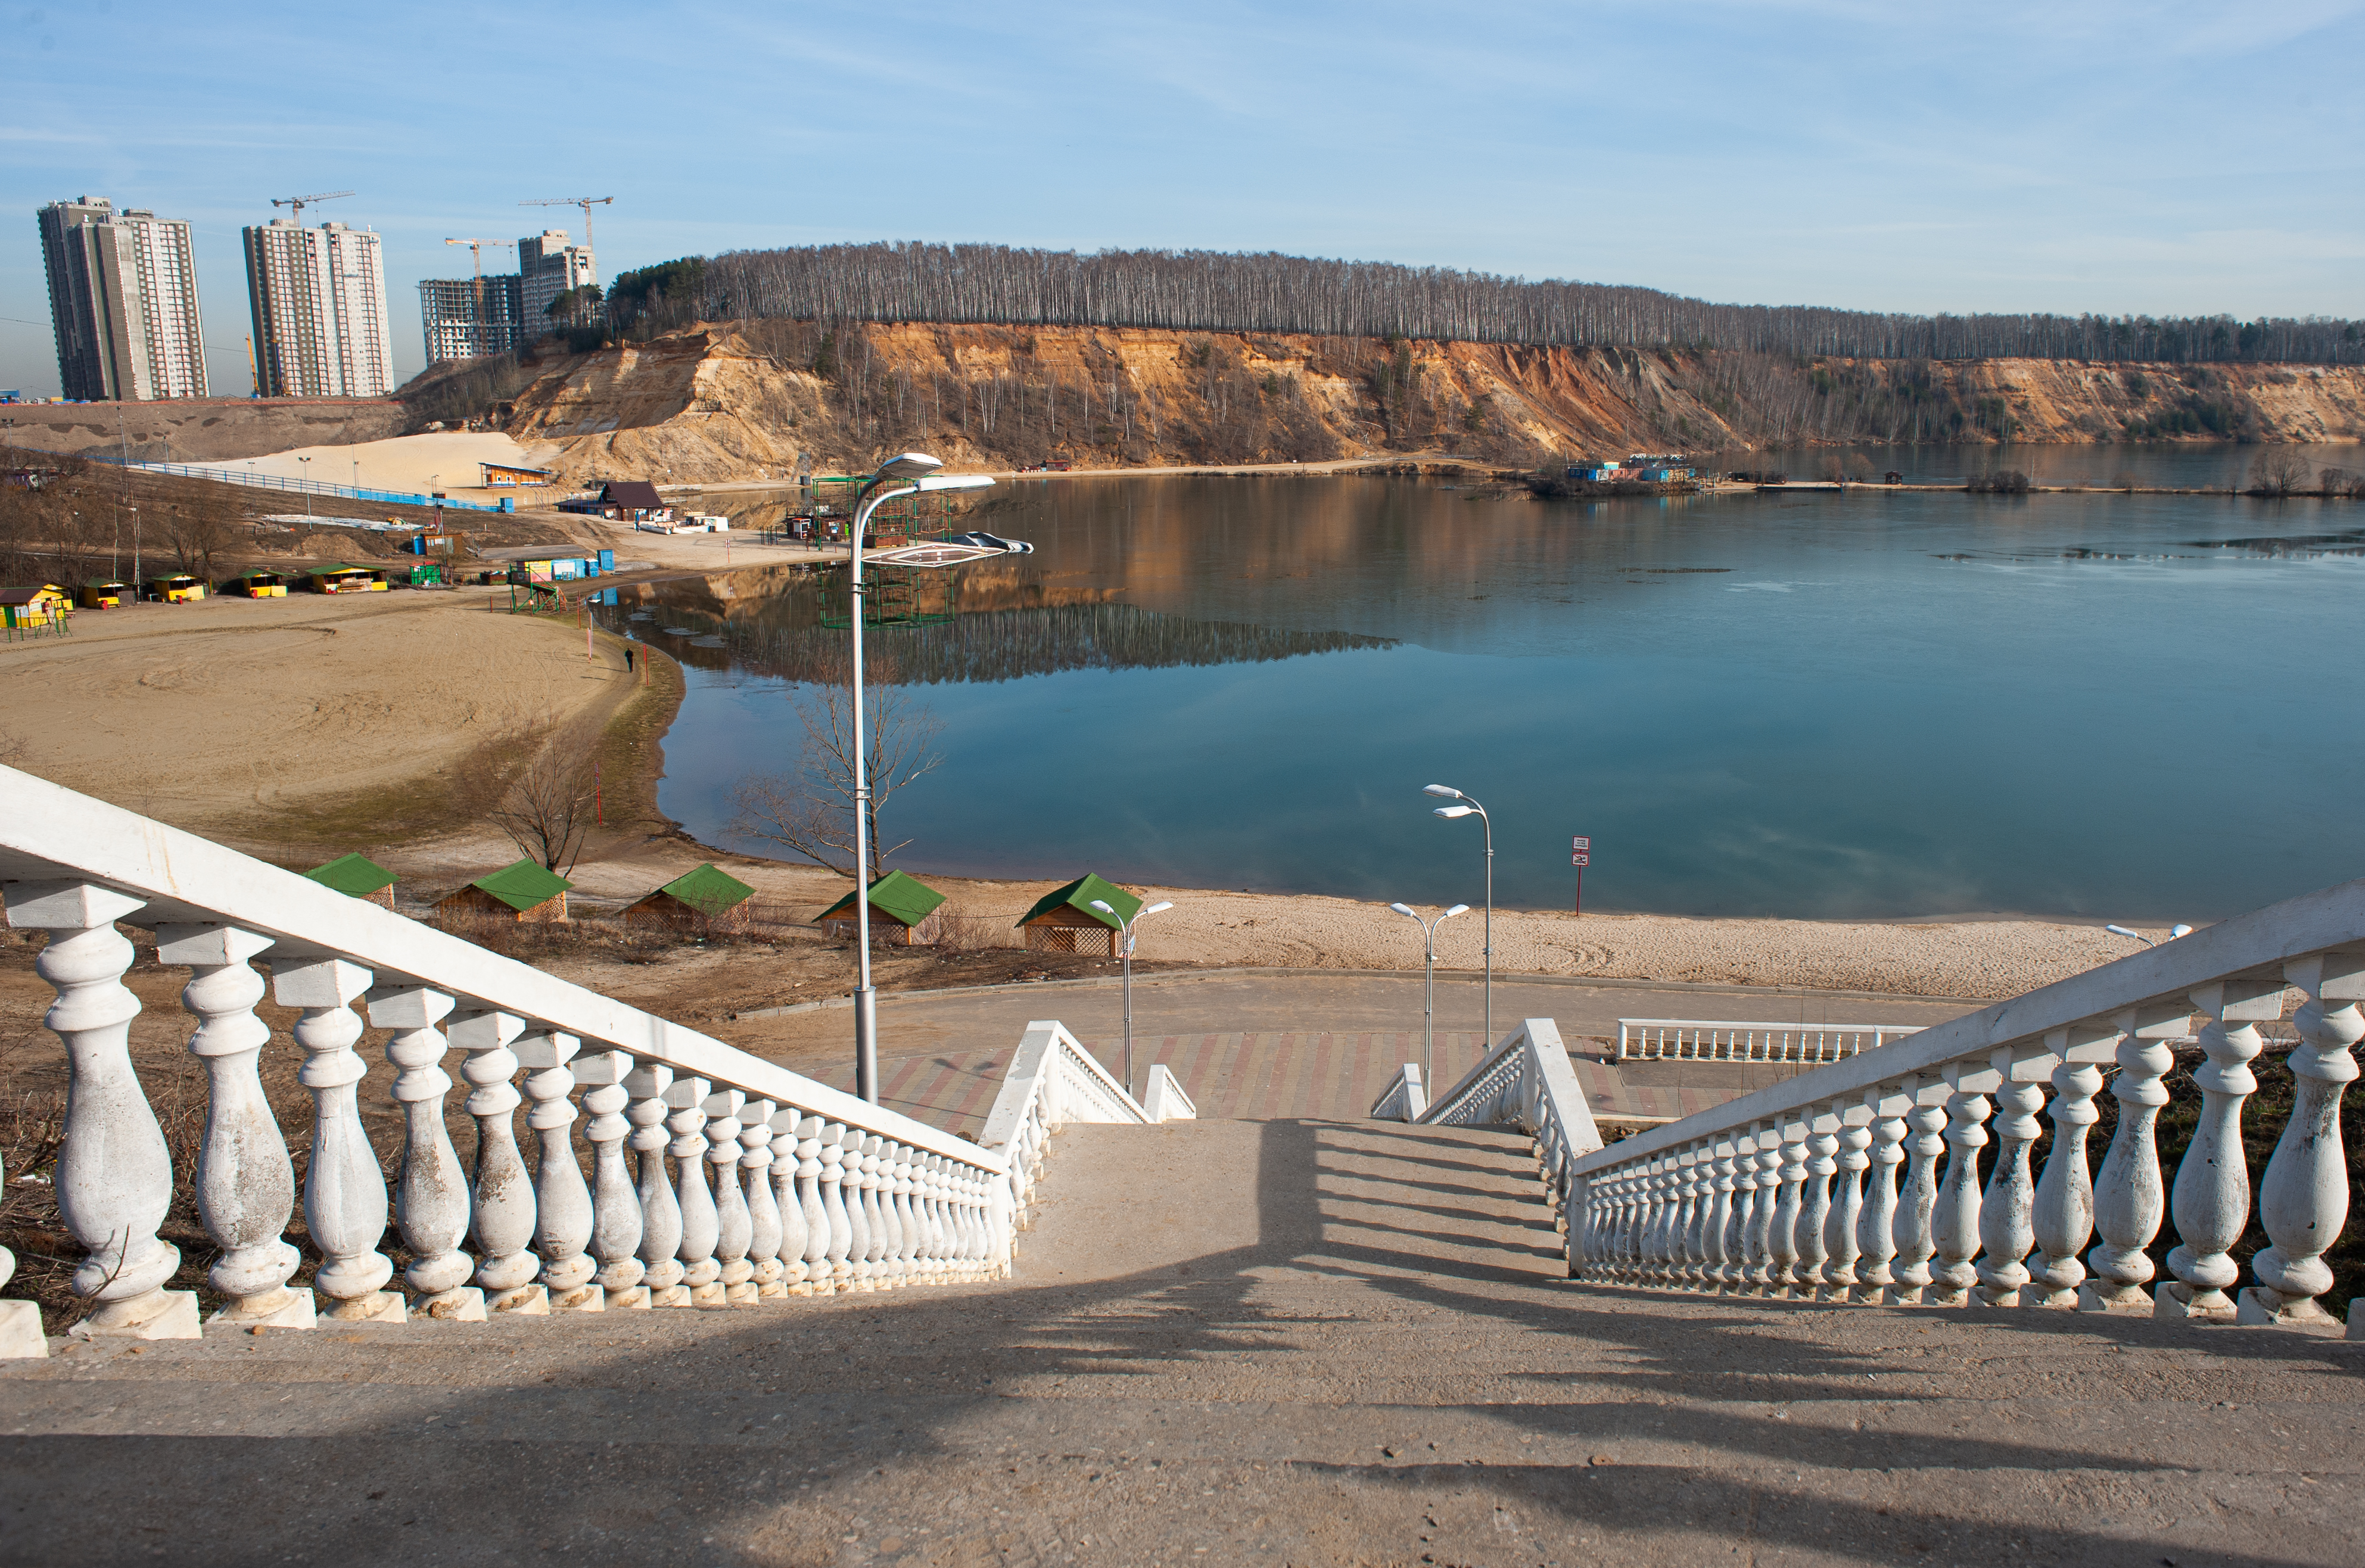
(763,399)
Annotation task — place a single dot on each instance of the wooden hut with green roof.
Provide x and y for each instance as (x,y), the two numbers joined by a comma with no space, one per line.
(703,899)
(356,875)
(1064,921)
(521,890)
(904,912)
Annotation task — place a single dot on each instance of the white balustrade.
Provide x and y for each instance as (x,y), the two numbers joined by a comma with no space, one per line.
(756,1206)
(1860,1181)
(1705,1039)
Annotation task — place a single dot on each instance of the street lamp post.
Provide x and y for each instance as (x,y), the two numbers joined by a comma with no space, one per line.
(1125,927)
(1429,994)
(303,473)
(1464,809)
(920,470)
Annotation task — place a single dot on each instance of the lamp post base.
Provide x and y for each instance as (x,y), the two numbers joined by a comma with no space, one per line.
(866,1044)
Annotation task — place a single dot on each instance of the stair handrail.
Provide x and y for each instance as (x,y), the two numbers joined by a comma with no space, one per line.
(1052,1080)
(1795,1188)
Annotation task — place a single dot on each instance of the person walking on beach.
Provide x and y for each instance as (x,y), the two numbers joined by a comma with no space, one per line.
(628,659)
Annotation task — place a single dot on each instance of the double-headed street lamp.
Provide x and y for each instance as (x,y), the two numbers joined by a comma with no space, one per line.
(1429,995)
(2173,932)
(1125,927)
(902,476)
(1465,808)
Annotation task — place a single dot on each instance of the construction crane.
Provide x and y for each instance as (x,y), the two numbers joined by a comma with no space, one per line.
(477,257)
(300,203)
(586,203)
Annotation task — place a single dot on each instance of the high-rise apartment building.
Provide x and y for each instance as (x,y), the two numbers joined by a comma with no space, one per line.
(319,299)
(465,317)
(547,267)
(123,297)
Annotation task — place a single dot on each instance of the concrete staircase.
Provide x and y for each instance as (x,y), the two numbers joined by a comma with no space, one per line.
(1226,1341)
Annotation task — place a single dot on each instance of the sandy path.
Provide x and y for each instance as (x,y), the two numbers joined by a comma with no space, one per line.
(215,715)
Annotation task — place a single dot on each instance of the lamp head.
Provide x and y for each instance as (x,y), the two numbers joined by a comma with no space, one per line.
(1440,789)
(907,466)
(1102,905)
(1457,909)
(1153,909)
(956,482)
(1403,909)
(2176,931)
(2123,930)
(1452,811)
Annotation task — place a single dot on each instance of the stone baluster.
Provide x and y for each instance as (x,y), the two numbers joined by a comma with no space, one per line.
(1917,1206)
(1782,1236)
(1612,1263)
(1841,1246)
(562,1200)
(2063,1219)
(430,1195)
(1691,1209)
(502,1216)
(933,1236)
(1641,1186)
(114,1173)
(344,1187)
(245,1182)
(1700,1239)
(20,1321)
(2303,1197)
(2129,1200)
(701,1223)
(1664,1201)
(1629,1224)
(842,1218)
(1955,1222)
(886,1236)
(874,1276)
(1821,1149)
(1769,1141)
(763,1209)
(650,1083)
(735,1228)
(2210,1199)
(858,1215)
(903,1225)
(966,1243)
(616,1219)
(1716,1235)
(784,1202)
(1887,1105)
(2008,1209)
(816,1280)
(1744,1212)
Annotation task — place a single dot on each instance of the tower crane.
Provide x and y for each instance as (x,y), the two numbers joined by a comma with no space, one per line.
(301,202)
(586,203)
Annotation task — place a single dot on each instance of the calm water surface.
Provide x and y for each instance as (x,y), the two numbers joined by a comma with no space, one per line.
(1815,705)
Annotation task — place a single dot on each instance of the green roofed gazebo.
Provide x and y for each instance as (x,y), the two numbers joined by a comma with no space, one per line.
(1064,921)
(356,875)
(703,899)
(521,890)
(905,913)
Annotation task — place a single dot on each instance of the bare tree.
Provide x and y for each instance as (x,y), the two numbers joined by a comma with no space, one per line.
(2278,472)
(2332,481)
(549,808)
(810,809)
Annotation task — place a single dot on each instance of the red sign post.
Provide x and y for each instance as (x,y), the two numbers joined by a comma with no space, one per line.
(1580,855)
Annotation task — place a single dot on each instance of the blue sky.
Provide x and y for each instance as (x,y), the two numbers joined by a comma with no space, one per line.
(2166,157)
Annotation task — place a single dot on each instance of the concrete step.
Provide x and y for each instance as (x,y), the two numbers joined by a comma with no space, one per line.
(1281,1341)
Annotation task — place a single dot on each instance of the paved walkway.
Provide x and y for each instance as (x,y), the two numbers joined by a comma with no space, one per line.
(1237,1342)
(1326,1048)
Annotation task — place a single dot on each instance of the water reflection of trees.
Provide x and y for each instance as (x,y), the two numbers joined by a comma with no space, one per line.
(1002,645)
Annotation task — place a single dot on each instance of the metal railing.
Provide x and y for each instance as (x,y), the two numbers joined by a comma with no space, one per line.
(255,481)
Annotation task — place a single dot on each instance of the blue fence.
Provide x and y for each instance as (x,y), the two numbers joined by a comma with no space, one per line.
(307,487)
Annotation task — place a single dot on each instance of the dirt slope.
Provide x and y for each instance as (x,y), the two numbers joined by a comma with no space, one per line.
(760,399)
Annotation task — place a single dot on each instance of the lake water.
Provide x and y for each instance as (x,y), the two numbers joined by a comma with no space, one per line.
(1820,705)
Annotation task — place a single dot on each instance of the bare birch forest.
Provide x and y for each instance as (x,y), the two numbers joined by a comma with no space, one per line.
(1213,291)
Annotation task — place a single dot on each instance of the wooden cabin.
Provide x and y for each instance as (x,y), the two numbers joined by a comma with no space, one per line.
(42,608)
(357,876)
(1064,921)
(178,588)
(348,578)
(102,596)
(521,890)
(258,584)
(904,912)
(703,899)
